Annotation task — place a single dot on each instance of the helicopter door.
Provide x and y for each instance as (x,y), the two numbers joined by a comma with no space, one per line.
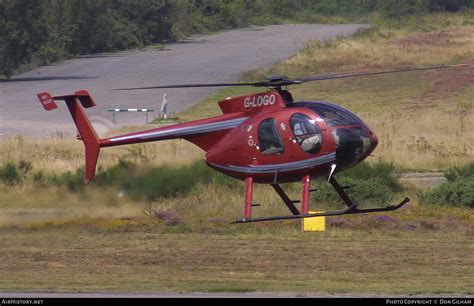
(269,139)
(306,133)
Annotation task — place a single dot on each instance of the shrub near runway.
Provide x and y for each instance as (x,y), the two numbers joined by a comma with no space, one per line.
(458,191)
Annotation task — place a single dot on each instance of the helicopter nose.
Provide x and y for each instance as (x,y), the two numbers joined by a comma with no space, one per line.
(353,145)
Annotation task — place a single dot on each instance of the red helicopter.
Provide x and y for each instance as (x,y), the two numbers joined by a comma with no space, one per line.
(265,138)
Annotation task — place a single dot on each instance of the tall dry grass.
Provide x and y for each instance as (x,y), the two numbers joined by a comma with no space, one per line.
(429,140)
(58,155)
(435,38)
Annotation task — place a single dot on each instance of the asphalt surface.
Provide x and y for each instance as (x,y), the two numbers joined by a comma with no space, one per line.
(200,59)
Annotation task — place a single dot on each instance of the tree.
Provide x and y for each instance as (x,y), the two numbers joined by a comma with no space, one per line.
(20,33)
(398,8)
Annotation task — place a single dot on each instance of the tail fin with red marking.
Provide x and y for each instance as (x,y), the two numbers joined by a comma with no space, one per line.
(76,103)
(47,101)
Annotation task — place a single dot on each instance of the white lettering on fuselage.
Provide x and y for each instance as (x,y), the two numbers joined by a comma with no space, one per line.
(257,101)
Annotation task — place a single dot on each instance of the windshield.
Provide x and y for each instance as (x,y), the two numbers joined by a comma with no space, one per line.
(333,116)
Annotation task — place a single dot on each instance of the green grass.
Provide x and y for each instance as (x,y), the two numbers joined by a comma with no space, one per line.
(99,240)
(338,261)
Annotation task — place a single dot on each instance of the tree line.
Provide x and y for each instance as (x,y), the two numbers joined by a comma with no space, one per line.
(44,31)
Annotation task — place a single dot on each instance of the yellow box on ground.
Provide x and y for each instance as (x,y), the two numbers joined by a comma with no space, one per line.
(314,224)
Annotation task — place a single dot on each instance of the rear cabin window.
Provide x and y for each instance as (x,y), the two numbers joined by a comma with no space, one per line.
(306,133)
(269,138)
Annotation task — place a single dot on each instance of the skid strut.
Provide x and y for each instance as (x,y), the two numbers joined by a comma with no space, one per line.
(286,199)
(248,198)
(350,210)
(305,196)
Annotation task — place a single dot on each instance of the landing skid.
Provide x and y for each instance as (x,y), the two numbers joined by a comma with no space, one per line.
(304,213)
(348,211)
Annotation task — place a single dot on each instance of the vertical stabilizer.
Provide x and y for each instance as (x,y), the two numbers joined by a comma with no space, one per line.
(76,103)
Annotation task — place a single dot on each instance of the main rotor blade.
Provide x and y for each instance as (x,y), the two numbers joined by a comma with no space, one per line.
(195,85)
(361,74)
(279,81)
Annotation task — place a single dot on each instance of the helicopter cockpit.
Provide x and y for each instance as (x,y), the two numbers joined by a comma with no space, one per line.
(351,134)
(306,132)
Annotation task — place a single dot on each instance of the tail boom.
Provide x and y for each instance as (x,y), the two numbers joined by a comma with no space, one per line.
(204,133)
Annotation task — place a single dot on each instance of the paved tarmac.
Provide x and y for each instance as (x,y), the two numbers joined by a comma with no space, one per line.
(201,59)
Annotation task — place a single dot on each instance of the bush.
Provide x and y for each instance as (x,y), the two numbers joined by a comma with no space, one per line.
(73,181)
(151,184)
(24,167)
(456,173)
(456,193)
(9,174)
(380,171)
(397,9)
(370,184)
(12,173)
(364,192)
(39,177)
(450,6)
(164,182)
(114,174)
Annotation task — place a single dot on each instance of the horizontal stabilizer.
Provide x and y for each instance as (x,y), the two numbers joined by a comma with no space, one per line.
(47,101)
(85,98)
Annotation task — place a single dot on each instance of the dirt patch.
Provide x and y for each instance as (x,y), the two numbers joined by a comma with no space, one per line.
(439,38)
(446,82)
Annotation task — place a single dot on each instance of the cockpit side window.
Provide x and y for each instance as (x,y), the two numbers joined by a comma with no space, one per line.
(333,116)
(269,139)
(306,133)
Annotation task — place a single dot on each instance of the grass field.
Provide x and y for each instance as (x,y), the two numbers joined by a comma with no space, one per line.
(251,259)
(100,239)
